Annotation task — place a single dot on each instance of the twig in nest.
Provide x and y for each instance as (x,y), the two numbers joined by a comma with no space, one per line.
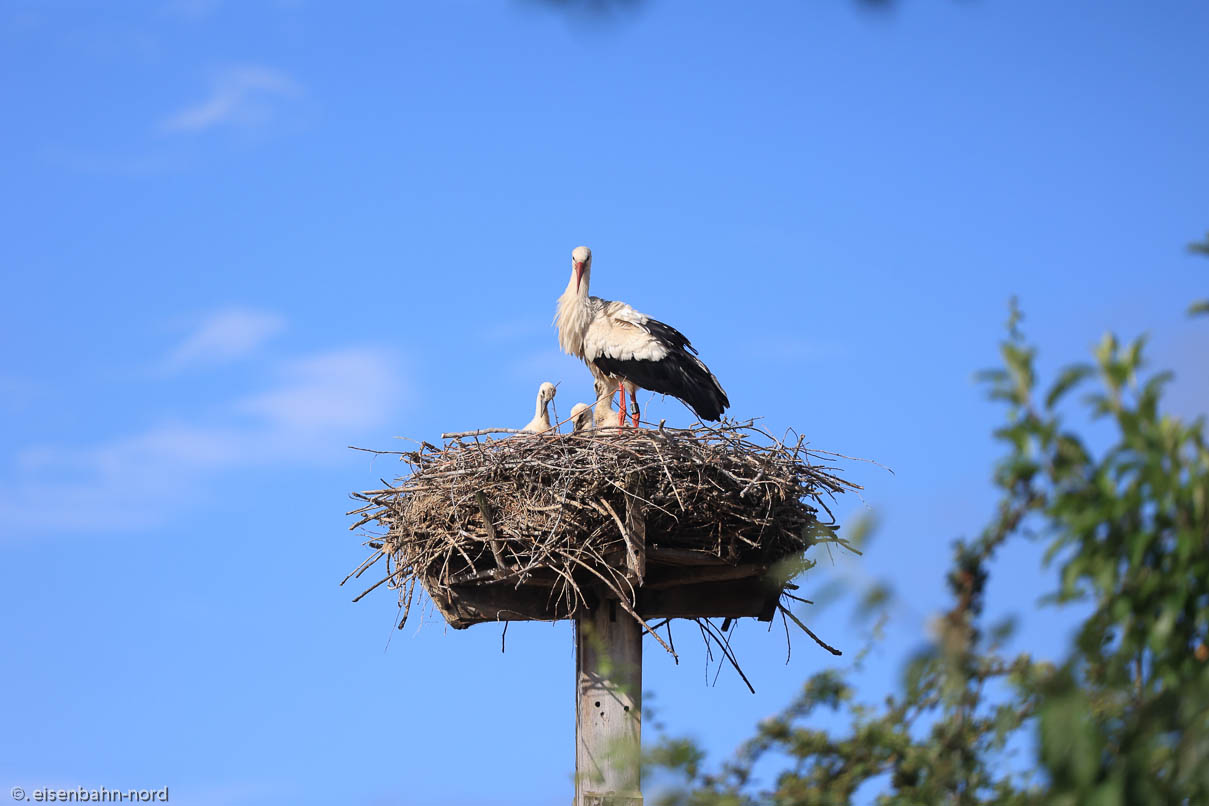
(806,629)
(480,432)
(788,642)
(724,645)
(631,557)
(386,578)
(363,567)
(496,549)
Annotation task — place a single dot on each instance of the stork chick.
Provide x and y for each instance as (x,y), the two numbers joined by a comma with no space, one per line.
(628,348)
(541,419)
(581,417)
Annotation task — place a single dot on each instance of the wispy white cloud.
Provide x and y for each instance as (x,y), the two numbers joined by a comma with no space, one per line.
(247,96)
(128,482)
(306,413)
(226,335)
(338,389)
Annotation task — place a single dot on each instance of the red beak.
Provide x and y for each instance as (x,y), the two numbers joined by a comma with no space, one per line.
(579,274)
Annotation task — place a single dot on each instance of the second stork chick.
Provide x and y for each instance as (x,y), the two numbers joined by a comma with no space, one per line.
(581,417)
(541,419)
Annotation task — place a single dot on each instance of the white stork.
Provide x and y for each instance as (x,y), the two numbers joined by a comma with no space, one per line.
(630,350)
(541,420)
(581,417)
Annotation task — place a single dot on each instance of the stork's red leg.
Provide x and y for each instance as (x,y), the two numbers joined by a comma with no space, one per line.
(621,412)
(634,400)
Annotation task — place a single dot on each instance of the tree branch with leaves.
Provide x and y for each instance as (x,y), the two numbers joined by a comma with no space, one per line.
(1124,717)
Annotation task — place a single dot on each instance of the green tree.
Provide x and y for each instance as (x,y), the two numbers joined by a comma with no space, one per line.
(1124,719)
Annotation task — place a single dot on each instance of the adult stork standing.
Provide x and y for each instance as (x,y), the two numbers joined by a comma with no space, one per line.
(541,419)
(630,350)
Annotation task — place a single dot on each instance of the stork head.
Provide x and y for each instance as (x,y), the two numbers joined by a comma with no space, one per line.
(581,264)
(545,392)
(581,417)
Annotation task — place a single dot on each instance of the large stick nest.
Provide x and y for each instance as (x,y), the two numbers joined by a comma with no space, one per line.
(605,514)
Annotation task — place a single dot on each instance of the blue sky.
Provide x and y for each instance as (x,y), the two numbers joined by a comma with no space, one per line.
(241,236)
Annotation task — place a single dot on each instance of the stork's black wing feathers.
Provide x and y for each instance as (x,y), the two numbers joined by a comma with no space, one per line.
(672,338)
(677,374)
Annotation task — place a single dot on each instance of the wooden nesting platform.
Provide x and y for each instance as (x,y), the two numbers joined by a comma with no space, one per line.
(675,583)
(659,523)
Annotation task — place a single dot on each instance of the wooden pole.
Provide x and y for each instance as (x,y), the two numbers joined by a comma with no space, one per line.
(608,719)
(608,681)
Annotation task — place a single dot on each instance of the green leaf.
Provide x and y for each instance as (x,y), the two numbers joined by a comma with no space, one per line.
(1133,357)
(1067,380)
(1106,350)
(1198,308)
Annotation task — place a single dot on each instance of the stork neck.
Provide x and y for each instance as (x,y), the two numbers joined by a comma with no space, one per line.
(573,316)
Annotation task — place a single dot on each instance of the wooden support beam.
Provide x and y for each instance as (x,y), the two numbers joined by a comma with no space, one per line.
(608,716)
(681,576)
(463,605)
(635,529)
(736,598)
(661,597)
(666,556)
